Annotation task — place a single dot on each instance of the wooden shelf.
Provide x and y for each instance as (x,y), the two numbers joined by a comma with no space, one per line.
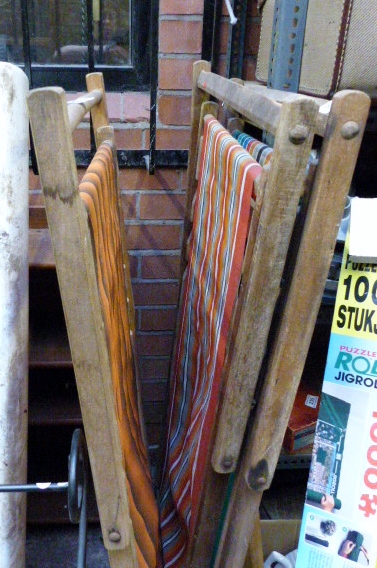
(48,340)
(40,249)
(52,508)
(53,398)
(54,409)
(49,350)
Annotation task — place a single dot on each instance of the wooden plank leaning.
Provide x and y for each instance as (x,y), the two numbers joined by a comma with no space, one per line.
(342,139)
(71,241)
(198,97)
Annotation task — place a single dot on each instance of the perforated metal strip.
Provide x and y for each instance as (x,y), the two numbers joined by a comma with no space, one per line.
(287,44)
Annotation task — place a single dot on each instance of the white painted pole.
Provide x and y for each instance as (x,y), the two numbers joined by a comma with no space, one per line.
(14,304)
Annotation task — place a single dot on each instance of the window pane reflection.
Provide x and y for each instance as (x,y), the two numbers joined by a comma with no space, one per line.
(58,32)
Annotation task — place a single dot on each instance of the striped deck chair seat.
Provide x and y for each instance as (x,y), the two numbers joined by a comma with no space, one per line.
(216,248)
(261,152)
(98,190)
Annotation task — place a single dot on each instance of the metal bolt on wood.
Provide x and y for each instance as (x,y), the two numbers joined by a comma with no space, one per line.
(114,536)
(350,129)
(298,134)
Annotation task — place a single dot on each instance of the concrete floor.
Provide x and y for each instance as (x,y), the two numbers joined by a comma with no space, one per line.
(56,547)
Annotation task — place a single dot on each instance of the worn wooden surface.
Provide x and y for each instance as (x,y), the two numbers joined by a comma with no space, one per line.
(78,108)
(255,550)
(254,102)
(197,98)
(262,277)
(291,344)
(208,107)
(99,113)
(99,191)
(74,263)
(280,96)
(272,223)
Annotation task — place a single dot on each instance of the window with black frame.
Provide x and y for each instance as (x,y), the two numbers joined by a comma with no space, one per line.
(61,40)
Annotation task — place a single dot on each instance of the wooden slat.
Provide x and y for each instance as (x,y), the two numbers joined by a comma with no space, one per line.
(98,113)
(50,349)
(255,548)
(99,191)
(259,109)
(54,410)
(197,98)
(262,277)
(40,249)
(253,102)
(280,96)
(78,108)
(208,107)
(72,248)
(37,217)
(340,149)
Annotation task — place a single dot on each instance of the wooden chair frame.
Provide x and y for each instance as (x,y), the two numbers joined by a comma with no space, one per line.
(53,121)
(293,120)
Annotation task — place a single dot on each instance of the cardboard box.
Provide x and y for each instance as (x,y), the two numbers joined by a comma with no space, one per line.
(302,422)
(280,535)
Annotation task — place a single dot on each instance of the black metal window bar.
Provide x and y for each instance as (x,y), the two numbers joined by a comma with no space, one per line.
(236,41)
(140,74)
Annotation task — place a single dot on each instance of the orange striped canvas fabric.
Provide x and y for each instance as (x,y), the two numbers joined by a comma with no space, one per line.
(217,242)
(99,192)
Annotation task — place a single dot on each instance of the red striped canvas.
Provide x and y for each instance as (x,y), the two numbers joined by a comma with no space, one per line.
(217,243)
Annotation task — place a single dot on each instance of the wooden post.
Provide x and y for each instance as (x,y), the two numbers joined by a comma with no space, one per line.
(68,223)
(198,97)
(14,310)
(262,276)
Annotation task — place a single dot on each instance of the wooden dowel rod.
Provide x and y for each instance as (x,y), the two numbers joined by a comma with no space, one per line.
(78,108)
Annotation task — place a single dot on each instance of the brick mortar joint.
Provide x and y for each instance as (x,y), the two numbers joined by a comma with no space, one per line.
(181,18)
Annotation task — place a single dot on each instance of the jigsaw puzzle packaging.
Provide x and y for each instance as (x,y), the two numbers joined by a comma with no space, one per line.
(339,524)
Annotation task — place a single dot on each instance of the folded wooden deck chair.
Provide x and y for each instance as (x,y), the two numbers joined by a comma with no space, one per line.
(204,447)
(221,220)
(341,135)
(87,233)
